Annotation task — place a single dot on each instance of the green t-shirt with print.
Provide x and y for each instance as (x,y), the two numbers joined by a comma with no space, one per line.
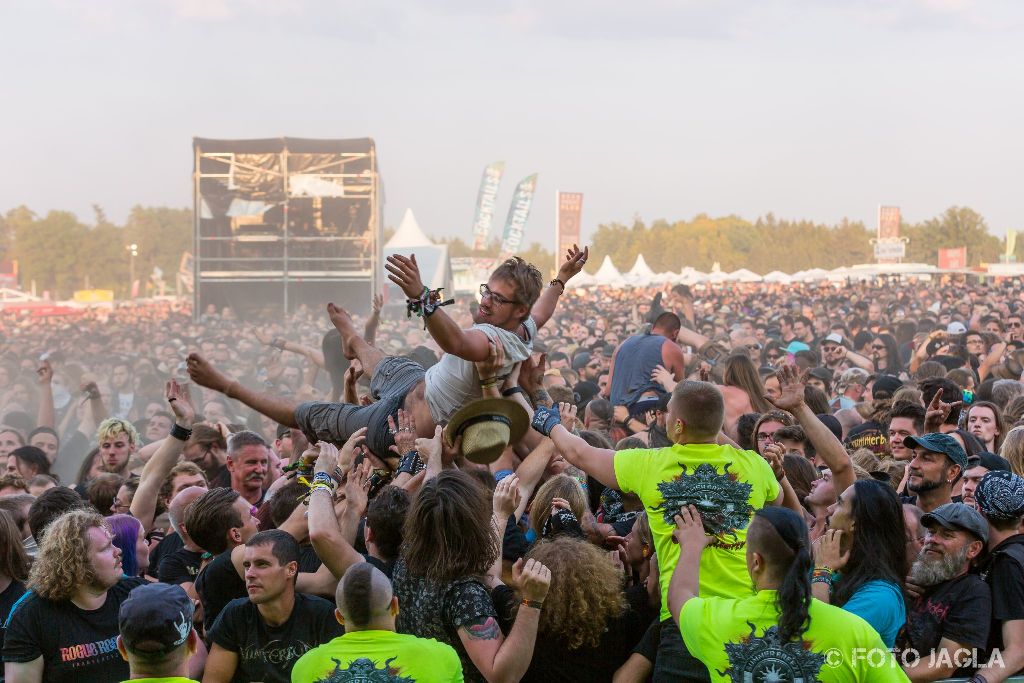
(725,483)
(737,639)
(379,656)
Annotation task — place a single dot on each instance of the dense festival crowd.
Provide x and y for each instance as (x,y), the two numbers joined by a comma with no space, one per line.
(816,482)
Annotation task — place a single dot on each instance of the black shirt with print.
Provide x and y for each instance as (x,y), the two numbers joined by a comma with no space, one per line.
(181,566)
(217,584)
(167,546)
(267,653)
(959,609)
(75,644)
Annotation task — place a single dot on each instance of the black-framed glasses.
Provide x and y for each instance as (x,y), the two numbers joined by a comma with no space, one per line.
(878,347)
(486,293)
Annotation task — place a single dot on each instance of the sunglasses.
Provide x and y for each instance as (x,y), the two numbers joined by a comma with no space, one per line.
(878,347)
(1014,324)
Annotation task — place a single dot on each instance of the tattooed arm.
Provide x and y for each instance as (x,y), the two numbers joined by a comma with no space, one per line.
(502,659)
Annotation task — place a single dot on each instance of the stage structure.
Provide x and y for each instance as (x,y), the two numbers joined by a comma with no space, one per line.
(281,222)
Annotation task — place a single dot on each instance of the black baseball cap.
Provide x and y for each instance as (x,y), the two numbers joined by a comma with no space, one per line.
(156,618)
(990,461)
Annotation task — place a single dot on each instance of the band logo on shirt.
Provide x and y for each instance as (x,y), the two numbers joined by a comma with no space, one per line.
(365,670)
(765,658)
(86,650)
(722,500)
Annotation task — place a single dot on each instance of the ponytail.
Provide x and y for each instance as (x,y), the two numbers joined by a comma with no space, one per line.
(793,598)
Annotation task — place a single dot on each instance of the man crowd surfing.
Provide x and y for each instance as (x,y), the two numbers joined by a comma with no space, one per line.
(749,482)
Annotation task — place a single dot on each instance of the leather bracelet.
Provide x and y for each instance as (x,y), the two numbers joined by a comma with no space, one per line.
(535,604)
(411,463)
(560,283)
(513,390)
(180,433)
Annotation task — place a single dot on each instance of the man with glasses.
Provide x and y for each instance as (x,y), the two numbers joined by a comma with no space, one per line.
(511,310)
(1014,327)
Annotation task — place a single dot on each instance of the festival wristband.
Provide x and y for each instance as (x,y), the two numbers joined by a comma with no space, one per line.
(180,433)
(545,419)
(535,604)
(513,390)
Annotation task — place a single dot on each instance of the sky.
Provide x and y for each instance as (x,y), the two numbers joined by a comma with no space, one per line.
(657,109)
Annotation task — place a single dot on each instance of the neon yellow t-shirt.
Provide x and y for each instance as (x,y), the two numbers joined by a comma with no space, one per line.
(737,640)
(379,655)
(726,484)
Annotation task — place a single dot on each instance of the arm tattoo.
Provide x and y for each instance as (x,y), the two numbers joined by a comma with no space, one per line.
(542,398)
(485,628)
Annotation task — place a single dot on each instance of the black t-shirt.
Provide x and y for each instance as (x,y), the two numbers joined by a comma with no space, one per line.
(268,653)
(218,584)
(432,610)
(309,561)
(1004,573)
(387,567)
(75,644)
(959,609)
(9,596)
(167,546)
(181,566)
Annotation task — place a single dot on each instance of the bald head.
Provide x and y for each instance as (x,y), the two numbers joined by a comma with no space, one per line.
(176,510)
(364,596)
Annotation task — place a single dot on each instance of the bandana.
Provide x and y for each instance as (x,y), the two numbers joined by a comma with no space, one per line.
(1000,495)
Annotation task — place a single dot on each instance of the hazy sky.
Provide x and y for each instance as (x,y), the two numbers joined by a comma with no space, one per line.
(663,109)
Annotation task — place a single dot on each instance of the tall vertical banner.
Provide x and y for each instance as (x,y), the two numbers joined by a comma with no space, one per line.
(889,248)
(518,214)
(567,231)
(486,199)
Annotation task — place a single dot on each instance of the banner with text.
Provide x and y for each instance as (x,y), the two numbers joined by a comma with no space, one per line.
(953,259)
(567,232)
(485,202)
(518,214)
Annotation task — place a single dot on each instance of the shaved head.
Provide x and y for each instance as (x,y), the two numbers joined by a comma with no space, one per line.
(364,594)
(176,510)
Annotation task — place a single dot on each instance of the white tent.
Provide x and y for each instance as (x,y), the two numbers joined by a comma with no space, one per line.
(608,274)
(812,274)
(640,274)
(691,276)
(435,266)
(744,275)
(668,277)
(582,279)
(777,276)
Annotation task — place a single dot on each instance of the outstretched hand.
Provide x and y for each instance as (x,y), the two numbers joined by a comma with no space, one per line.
(574,261)
(531,373)
(181,403)
(937,412)
(405,272)
(792,383)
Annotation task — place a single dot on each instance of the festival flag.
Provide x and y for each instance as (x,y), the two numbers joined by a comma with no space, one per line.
(567,231)
(485,201)
(518,213)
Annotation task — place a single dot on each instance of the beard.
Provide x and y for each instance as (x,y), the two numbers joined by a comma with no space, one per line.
(930,572)
(925,486)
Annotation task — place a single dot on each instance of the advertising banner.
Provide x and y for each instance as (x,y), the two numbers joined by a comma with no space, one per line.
(485,202)
(953,259)
(518,214)
(567,232)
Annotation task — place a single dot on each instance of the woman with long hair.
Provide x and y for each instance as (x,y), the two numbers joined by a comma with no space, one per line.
(452,541)
(807,639)
(985,421)
(13,567)
(130,537)
(742,390)
(557,496)
(27,462)
(766,426)
(587,628)
(860,560)
(1013,449)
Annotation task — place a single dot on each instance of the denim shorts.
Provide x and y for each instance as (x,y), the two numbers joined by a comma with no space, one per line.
(393,378)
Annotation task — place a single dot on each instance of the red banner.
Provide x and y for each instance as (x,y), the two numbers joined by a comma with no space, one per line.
(570,210)
(888,222)
(953,259)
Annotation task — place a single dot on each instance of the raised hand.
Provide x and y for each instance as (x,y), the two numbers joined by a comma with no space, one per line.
(431,448)
(665,378)
(348,450)
(828,550)
(404,432)
(531,374)
(357,487)
(689,531)
(574,261)
(181,403)
(405,272)
(506,497)
(532,578)
(45,372)
(378,303)
(568,413)
(327,460)
(492,365)
(774,454)
(792,383)
(261,336)
(937,412)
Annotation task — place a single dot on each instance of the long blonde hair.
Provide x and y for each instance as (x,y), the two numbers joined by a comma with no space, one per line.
(1013,449)
(62,565)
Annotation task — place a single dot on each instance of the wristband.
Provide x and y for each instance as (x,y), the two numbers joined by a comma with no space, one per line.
(411,463)
(535,604)
(513,390)
(545,419)
(324,478)
(278,343)
(180,433)
(821,579)
(558,282)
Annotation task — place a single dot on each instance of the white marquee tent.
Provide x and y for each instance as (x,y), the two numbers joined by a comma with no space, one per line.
(435,266)
(640,275)
(608,274)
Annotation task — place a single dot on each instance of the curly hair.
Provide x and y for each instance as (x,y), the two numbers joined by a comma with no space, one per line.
(62,564)
(585,593)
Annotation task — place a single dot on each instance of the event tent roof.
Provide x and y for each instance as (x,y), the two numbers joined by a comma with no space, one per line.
(640,274)
(608,274)
(435,266)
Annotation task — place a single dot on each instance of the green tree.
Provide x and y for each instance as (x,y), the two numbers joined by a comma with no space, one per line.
(957,226)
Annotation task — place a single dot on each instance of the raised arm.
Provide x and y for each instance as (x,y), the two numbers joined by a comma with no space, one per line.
(47,416)
(163,461)
(832,452)
(597,462)
(324,530)
(685,583)
(545,306)
(471,345)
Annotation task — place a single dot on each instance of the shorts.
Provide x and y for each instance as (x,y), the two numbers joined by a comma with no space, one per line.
(392,380)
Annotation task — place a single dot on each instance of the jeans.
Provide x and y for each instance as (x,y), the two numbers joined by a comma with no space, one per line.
(674,662)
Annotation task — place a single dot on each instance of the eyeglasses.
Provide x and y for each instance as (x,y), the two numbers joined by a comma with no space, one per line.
(878,347)
(486,293)
(765,436)
(1014,324)
(773,356)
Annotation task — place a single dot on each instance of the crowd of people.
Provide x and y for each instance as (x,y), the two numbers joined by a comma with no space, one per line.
(819,481)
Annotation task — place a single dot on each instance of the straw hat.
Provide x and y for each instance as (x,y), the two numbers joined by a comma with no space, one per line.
(487,426)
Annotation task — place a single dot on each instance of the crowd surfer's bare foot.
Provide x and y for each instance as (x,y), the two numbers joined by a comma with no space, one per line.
(342,321)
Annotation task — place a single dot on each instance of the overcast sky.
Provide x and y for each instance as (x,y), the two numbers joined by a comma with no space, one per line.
(816,109)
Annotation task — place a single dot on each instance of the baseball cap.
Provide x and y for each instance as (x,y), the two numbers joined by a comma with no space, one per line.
(824,374)
(833,424)
(835,338)
(939,443)
(989,461)
(580,360)
(853,376)
(958,516)
(795,346)
(955,328)
(1000,495)
(885,386)
(156,618)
